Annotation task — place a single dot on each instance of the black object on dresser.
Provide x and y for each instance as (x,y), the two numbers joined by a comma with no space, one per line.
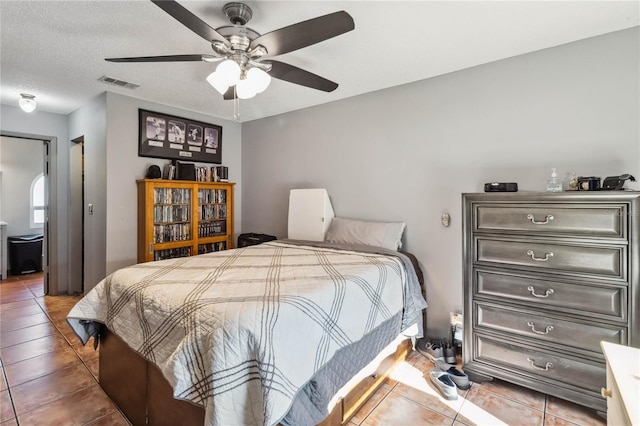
(547,277)
(501,187)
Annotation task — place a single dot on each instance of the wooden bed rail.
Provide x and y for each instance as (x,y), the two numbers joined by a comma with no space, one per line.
(146,398)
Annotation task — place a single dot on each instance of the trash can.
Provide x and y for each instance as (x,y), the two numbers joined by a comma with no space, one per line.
(25,253)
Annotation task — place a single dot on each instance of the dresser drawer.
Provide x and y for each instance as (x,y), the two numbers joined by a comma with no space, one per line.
(548,366)
(587,259)
(547,328)
(579,220)
(606,302)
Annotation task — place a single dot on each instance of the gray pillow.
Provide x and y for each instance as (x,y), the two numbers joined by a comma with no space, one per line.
(379,234)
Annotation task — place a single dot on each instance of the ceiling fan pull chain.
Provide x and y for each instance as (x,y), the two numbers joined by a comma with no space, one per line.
(236,105)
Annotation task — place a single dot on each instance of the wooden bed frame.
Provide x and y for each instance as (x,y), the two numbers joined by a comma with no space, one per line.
(143,394)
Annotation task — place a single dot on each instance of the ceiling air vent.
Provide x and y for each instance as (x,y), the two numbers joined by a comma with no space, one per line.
(116,82)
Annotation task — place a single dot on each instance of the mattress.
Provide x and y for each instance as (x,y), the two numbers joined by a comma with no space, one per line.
(261,334)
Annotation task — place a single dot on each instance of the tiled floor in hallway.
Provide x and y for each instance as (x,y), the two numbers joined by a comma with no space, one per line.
(48,378)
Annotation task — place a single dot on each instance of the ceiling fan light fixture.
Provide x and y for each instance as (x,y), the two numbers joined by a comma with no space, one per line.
(27,102)
(217,82)
(258,79)
(228,72)
(244,89)
(241,49)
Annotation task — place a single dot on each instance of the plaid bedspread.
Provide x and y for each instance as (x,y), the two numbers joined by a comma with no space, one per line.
(241,331)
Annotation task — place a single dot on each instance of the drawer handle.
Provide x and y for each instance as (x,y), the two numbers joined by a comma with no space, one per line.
(533,220)
(539,259)
(546,293)
(545,368)
(606,393)
(547,329)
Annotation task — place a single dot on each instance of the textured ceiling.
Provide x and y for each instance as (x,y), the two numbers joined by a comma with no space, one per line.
(56,49)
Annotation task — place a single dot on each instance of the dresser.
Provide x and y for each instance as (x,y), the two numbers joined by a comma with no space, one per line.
(547,278)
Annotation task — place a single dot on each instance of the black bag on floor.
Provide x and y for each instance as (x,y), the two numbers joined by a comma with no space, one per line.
(252,239)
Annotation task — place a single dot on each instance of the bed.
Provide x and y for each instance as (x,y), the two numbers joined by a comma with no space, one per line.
(266,334)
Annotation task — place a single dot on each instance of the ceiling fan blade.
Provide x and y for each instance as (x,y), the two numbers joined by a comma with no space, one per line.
(296,75)
(190,21)
(168,58)
(230,94)
(305,33)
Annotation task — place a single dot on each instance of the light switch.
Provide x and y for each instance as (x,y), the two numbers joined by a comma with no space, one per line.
(90,208)
(445,219)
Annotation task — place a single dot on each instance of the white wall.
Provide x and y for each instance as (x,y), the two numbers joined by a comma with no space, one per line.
(22,161)
(408,153)
(43,125)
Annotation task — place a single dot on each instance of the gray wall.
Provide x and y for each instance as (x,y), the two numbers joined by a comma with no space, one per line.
(21,162)
(409,152)
(53,127)
(109,126)
(89,122)
(123,167)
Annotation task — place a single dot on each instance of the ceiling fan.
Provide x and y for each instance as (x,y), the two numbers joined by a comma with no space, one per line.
(247,67)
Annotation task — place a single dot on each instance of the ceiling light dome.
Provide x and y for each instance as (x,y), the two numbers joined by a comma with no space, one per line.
(228,72)
(259,79)
(27,102)
(245,90)
(217,82)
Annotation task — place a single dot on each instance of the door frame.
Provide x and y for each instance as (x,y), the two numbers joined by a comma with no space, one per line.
(50,259)
(76,214)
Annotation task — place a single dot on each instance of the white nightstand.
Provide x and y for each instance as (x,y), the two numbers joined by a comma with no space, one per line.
(623,384)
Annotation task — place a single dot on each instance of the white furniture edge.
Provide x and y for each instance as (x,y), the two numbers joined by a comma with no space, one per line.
(624,362)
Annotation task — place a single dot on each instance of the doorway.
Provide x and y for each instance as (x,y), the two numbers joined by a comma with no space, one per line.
(24,205)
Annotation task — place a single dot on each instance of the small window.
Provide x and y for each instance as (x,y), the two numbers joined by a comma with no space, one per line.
(37,202)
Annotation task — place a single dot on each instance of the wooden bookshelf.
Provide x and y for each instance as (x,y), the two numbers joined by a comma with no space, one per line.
(178,218)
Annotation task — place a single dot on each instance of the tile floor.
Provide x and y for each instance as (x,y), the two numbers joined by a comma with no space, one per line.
(48,378)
